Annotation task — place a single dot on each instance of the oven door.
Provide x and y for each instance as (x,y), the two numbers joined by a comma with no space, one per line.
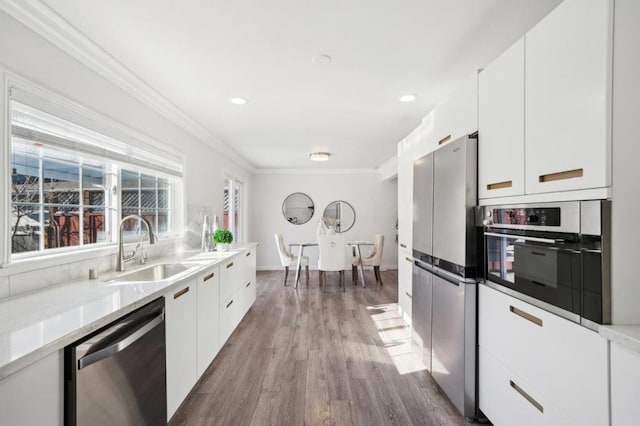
(546,269)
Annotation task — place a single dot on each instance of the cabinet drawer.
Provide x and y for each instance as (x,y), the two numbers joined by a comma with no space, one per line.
(228,317)
(230,274)
(506,399)
(564,361)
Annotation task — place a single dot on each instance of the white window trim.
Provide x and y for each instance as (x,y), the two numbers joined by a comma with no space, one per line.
(243,204)
(93,121)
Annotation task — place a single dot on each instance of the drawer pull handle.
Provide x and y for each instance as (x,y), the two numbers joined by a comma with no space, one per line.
(567,174)
(208,277)
(500,185)
(408,259)
(248,284)
(444,140)
(526,396)
(181,292)
(248,254)
(230,303)
(408,295)
(229,265)
(537,321)
(403,245)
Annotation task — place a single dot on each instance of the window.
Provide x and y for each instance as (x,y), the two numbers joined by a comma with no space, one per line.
(233,206)
(70,185)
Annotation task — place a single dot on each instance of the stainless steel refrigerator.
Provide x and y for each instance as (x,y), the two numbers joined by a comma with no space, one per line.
(445,243)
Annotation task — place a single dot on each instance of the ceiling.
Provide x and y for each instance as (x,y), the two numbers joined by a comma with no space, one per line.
(200,53)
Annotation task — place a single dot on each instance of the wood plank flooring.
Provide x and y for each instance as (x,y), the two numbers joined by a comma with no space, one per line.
(311,357)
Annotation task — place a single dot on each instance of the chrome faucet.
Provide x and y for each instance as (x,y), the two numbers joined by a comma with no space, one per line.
(122,259)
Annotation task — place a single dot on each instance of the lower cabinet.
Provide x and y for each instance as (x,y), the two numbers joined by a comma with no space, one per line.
(625,385)
(228,316)
(35,394)
(405,275)
(180,311)
(208,330)
(545,356)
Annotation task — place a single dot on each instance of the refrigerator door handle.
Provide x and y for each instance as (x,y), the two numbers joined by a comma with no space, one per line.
(120,345)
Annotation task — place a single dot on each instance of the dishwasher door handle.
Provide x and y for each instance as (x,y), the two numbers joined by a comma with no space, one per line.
(120,345)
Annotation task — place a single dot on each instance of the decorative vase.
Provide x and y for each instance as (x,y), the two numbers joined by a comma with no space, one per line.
(222,247)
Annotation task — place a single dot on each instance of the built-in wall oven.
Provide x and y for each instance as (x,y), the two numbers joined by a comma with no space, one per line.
(554,255)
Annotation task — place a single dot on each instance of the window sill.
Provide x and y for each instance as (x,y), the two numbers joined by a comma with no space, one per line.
(48,260)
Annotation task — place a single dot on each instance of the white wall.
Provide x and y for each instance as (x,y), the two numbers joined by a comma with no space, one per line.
(374,201)
(626,173)
(26,54)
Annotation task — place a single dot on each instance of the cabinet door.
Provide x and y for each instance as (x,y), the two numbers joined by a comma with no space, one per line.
(230,275)
(208,329)
(228,317)
(405,291)
(405,196)
(567,98)
(180,309)
(35,394)
(501,125)
(458,114)
(248,284)
(625,385)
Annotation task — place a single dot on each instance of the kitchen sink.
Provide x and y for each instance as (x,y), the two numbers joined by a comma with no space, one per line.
(157,272)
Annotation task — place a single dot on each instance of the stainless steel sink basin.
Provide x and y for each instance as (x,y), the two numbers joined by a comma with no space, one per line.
(157,272)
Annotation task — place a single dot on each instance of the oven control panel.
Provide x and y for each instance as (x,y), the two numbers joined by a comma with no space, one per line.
(536,216)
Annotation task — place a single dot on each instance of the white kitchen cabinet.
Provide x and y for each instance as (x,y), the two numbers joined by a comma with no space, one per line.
(247,286)
(565,362)
(230,275)
(506,399)
(406,154)
(405,287)
(228,316)
(35,394)
(625,385)
(180,325)
(458,114)
(501,125)
(208,327)
(567,98)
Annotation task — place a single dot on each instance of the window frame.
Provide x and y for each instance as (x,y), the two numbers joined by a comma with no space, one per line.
(102,125)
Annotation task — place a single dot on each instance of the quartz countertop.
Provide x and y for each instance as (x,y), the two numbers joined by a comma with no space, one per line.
(35,325)
(624,335)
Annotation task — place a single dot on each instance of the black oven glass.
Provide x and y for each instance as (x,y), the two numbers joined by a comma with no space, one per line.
(547,272)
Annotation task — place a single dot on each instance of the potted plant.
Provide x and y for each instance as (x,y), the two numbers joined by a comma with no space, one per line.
(222,238)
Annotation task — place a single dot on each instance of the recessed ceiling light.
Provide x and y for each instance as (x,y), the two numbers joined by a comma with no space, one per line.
(321,59)
(319,156)
(408,98)
(238,101)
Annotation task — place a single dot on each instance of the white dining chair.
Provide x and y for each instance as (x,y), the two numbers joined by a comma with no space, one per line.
(332,257)
(288,260)
(372,259)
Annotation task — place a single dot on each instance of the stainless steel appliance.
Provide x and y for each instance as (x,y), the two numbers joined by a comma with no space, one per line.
(117,375)
(553,255)
(445,245)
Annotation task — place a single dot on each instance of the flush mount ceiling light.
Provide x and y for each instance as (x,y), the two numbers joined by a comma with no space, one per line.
(238,101)
(319,156)
(321,59)
(408,98)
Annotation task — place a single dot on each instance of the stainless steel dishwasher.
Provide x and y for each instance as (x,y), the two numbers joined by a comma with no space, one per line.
(117,375)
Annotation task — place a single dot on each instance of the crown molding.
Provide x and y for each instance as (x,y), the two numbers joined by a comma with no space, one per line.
(46,22)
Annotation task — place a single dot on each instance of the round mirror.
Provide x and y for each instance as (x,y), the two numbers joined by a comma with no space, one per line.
(339,215)
(298,208)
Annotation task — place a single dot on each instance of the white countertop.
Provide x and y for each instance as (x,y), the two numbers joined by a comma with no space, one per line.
(35,325)
(624,335)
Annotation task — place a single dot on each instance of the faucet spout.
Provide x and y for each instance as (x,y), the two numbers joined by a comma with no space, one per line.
(121,260)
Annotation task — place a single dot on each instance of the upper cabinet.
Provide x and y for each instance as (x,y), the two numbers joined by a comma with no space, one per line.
(545,107)
(501,125)
(567,98)
(458,114)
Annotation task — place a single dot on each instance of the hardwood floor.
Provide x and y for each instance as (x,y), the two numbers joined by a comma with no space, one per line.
(310,356)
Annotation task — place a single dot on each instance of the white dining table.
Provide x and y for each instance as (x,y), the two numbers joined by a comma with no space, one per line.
(302,244)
